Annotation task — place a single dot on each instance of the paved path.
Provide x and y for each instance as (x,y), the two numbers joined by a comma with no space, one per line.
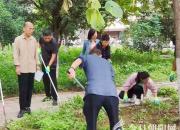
(12,104)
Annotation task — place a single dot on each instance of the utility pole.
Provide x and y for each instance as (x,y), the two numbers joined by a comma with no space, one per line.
(176,7)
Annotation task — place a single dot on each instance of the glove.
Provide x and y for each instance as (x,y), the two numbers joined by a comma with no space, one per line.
(172,76)
(125,98)
(47,69)
(156,101)
(39,51)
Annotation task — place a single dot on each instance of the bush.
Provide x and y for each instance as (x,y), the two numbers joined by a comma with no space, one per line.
(7,72)
(125,61)
(167,91)
(146,33)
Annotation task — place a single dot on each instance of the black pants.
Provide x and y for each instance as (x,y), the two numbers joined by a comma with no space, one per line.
(136,89)
(49,90)
(92,106)
(26,83)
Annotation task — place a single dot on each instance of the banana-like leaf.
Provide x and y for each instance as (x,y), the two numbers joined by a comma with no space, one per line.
(134,2)
(67,4)
(113,8)
(95,19)
(95,4)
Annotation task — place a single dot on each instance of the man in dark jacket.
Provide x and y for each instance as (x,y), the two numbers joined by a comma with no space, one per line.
(49,50)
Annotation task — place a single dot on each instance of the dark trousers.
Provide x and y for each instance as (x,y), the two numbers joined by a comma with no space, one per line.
(49,90)
(135,90)
(92,106)
(26,83)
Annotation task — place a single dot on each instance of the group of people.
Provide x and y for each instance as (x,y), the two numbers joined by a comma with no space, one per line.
(27,62)
(95,59)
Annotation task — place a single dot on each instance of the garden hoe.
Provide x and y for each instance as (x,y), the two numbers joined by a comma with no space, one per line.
(2,98)
(50,79)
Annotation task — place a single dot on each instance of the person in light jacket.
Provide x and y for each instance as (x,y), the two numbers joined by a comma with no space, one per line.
(26,64)
(137,85)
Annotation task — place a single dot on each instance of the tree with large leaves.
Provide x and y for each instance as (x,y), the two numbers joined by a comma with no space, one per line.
(59,15)
(66,16)
(142,9)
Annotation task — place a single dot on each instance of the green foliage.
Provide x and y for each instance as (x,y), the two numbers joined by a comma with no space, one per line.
(95,19)
(15,15)
(7,72)
(113,8)
(133,127)
(93,14)
(67,4)
(167,91)
(125,61)
(144,8)
(66,57)
(146,32)
(52,14)
(175,98)
(69,116)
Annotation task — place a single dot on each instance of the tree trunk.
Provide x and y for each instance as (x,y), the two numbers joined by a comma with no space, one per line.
(176,4)
(55,30)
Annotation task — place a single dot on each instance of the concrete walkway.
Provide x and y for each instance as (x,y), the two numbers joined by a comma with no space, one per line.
(12,104)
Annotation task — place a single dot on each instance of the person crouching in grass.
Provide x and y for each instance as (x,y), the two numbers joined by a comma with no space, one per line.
(136,87)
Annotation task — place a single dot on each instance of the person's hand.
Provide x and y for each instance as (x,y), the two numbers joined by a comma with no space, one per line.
(71,73)
(172,76)
(156,101)
(18,70)
(38,68)
(47,69)
(125,98)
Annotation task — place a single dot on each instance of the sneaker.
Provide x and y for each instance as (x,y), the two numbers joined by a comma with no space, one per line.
(137,102)
(54,103)
(131,100)
(46,99)
(21,113)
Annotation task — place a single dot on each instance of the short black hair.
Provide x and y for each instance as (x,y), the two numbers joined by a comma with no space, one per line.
(91,33)
(47,33)
(105,37)
(141,76)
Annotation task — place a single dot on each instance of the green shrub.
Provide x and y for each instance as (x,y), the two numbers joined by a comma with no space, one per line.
(125,61)
(167,91)
(7,72)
